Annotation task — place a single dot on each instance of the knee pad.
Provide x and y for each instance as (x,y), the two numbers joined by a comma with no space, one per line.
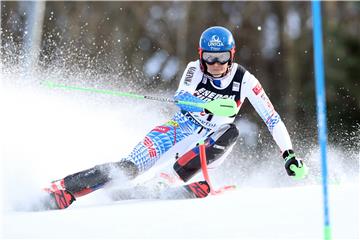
(221,140)
(215,146)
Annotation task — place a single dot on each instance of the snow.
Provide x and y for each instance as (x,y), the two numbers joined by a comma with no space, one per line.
(47,134)
(282,213)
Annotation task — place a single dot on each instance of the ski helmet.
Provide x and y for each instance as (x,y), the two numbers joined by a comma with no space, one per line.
(216,39)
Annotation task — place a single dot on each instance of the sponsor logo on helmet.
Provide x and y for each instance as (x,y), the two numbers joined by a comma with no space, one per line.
(215,42)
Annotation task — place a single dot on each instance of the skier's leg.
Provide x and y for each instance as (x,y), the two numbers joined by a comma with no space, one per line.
(160,140)
(216,145)
(169,183)
(94,178)
(64,191)
(143,157)
(157,148)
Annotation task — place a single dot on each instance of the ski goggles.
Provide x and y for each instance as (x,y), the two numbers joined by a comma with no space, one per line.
(213,57)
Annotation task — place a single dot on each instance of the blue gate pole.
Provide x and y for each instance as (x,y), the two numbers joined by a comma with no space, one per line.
(321,108)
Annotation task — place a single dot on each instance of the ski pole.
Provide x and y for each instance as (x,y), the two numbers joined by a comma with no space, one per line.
(221,107)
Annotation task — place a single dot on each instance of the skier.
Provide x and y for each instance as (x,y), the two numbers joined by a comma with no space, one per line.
(214,75)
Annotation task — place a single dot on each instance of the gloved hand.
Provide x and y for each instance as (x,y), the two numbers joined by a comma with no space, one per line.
(294,167)
(188,97)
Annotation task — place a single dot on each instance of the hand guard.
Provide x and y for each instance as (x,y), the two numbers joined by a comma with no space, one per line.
(188,97)
(294,167)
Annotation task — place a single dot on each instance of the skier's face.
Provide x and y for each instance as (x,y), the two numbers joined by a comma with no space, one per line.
(217,69)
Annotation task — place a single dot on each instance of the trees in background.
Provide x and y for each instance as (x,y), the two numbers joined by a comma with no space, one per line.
(151,43)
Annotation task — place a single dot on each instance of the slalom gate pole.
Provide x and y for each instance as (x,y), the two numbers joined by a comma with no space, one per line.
(321,107)
(204,165)
(205,172)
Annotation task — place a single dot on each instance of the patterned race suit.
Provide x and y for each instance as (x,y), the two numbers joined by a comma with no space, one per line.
(238,84)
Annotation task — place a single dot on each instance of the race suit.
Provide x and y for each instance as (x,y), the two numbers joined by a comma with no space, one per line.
(185,129)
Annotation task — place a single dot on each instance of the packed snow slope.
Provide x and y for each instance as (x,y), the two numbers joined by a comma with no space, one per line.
(47,134)
(248,213)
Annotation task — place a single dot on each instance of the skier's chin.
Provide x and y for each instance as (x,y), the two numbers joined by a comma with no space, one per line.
(217,73)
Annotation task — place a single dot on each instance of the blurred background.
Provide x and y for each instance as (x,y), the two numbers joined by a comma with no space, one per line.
(145,46)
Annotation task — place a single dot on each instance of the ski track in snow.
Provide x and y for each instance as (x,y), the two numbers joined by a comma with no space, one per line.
(47,134)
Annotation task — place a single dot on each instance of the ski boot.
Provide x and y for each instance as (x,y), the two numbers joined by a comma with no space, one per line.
(58,196)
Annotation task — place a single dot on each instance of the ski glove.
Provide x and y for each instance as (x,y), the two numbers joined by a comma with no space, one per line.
(188,97)
(294,167)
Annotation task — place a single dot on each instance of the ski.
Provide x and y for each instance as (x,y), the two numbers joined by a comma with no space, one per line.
(160,190)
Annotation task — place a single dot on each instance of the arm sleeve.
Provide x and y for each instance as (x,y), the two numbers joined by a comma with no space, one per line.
(187,80)
(263,106)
